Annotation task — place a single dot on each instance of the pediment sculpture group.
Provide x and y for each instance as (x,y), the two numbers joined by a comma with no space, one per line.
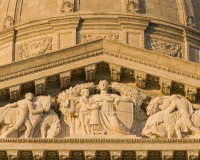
(101,114)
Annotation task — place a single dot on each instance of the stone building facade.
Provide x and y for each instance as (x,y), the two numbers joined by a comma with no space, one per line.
(99,79)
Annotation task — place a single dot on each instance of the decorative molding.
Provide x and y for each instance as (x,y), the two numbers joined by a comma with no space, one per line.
(8,22)
(193,155)
(40,86)
(128,72)
(178,86)
(35,49)
(38,154)
(90,155)
(3,92)
(191,21)
(93,54)
(116,155)
(64,155)
(140,79)
(141,155)
(132,7)
(13,154)
(89,37)
(165,48)
(65,79)
(190,93)
(115,72)
(67,7)
(15,93)
(90,72)
(165,86)
(167,155)
(153,79)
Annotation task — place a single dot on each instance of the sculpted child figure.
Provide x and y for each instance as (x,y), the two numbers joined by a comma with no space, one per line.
(25,107)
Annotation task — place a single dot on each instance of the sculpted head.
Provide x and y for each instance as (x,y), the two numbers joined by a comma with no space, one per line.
(85,92)
(29,96)
(173,98)
(103,85)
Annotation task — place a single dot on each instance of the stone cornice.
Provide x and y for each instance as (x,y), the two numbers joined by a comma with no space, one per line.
(102,140)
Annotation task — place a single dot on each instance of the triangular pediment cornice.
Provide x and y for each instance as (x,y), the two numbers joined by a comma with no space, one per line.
(95,52)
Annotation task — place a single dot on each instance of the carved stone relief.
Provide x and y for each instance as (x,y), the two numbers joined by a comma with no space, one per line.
(165,86)
(116,155)
(140,79)
(193,155)
(169,49)
(65,79)
(64,155)
(190,93)
(191,22)
(8,22)
(40,85)
(38,154)
(184,117)
(90,155)
(132,7)
(90,72)
(88,38)
(76,104)
(13,154)
(67,7)
(35,49)
(167,155)
(15,93)
(115,72)
(141,155)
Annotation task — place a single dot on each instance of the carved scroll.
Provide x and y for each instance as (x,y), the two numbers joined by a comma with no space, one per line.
(40,86)
(167,155)
(116,155)
(64,155)
(39,154)
(115,72)
(190,93)
(90,72)
(65,79)
(165,86)
(15,93)
(12,154)
(140,79)
(141,155)
(90,155)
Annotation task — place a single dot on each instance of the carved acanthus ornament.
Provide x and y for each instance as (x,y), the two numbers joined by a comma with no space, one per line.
(39,154)
(169,49)
(190,93)
(165,86)
(8,21)
(141,155)
(140,78)
(15,93)
(115,72)
(191,21)
(167,155)
(90,155)
(64,155)
(132,7)
(65,79)
(90,37)
(40,86)
(193,155)
(90,72)
(35,49)
(116,155)
(67,7)
(12,154)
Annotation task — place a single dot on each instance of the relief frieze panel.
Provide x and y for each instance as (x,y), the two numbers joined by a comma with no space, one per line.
(165,48)
(90,37)
(34,49)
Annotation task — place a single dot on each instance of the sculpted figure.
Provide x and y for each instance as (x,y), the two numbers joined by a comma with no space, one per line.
(185,111)
(25,106)
(171,113)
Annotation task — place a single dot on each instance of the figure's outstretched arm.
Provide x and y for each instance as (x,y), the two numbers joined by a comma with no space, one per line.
(84,104)
(30,107)
(172,107)
(12,105)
